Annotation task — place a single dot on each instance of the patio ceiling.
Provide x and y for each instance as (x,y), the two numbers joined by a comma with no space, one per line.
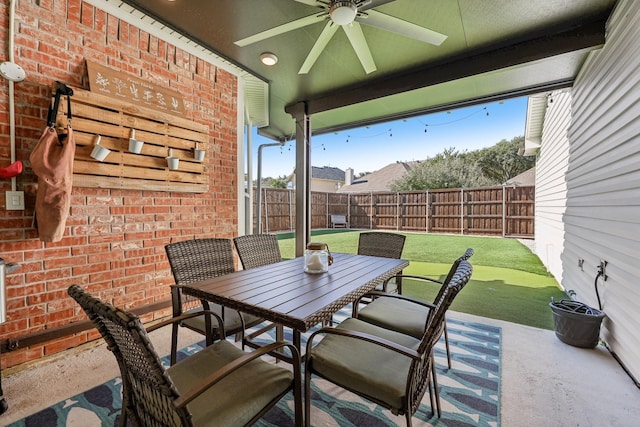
(493,50)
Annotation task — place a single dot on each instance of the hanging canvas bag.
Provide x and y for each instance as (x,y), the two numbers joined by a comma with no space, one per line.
(52,162)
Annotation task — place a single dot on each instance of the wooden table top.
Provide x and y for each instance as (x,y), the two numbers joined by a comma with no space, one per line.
(284,294)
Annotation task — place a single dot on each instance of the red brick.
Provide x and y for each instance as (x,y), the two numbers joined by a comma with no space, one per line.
(114,240)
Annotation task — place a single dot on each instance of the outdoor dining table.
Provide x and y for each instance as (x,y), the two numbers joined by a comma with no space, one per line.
(284,294)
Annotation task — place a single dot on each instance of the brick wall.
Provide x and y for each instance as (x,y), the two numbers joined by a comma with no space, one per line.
(114,239)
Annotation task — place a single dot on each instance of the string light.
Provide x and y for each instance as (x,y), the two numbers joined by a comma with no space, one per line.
(459,119)
(390,131)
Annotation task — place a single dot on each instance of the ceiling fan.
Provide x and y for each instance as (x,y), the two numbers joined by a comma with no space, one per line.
(348,15)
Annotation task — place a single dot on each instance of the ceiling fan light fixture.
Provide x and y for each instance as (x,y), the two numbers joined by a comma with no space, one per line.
(343,12)
(268,58)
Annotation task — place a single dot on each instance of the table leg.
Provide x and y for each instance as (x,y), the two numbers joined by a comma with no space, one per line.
(297,342)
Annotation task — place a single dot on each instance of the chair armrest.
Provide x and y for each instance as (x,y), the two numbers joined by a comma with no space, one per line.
(390,345)
(411,276)
(234,365)
(399,277)
(382,294)
(185,316)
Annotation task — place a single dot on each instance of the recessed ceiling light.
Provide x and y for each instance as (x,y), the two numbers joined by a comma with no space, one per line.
(268,58)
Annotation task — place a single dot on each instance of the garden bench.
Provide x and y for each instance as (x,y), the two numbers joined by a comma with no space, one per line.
(339,221)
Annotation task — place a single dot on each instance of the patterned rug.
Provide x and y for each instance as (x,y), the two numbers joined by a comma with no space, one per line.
(469,392)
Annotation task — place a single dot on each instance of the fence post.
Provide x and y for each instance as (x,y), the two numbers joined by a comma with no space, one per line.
(462,211)
(426,213)
(397,211)
(290,211)
(326,210)
(370,210)
(266,212)
(504,211)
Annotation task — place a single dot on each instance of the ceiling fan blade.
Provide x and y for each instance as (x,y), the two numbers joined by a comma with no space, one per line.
(402,27)
(311,2)
(370,4)
(324,37)
(289,26)
(359,43)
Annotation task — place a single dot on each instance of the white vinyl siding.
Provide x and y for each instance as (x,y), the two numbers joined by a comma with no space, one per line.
(602,217)
(551,186)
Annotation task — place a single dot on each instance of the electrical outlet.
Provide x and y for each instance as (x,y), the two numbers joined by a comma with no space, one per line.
(15,200)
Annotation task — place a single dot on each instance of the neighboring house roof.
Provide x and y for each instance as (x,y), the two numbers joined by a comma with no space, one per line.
(327,172)
(381,179)
(324,172)
(527,177)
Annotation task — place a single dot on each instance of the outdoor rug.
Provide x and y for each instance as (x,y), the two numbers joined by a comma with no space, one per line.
(469,392)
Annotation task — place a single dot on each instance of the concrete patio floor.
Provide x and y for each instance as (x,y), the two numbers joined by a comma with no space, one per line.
(544,381)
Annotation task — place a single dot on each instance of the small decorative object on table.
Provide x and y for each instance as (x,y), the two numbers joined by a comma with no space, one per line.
(317,258)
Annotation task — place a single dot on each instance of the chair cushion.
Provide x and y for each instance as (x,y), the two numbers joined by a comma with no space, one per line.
(237,398)
(396,314)
(365,367)
(231,320)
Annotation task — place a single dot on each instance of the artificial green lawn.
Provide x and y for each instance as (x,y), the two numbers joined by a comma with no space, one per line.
(508,282)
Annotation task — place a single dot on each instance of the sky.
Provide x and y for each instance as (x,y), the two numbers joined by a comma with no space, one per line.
(368,149)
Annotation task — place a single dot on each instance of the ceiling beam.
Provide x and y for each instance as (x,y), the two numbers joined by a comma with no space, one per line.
(555,43)
(464,103)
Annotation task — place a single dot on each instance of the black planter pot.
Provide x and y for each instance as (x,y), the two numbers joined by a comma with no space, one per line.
(576,323)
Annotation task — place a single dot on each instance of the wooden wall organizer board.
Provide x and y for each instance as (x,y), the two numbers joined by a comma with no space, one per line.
(94,114)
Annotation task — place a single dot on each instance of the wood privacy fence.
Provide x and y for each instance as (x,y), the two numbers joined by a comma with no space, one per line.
(505,211)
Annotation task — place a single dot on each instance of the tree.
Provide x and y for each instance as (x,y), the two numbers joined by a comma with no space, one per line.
(269,182)
(280,182)
(501,162)
(449,169)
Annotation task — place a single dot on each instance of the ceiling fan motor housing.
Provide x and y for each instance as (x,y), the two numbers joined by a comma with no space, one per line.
(343,12)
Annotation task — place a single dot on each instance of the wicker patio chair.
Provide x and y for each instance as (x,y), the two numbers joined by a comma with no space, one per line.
(391,369)
(387,245)
(408,315)
(195,260)
(255,250)
(393,312)
(220,385)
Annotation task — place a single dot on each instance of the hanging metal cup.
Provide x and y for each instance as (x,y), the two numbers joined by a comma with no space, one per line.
(172,162)
(135,146)
(99,152)
(198,153)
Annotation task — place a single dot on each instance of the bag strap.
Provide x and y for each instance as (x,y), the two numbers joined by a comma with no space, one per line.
(61,89)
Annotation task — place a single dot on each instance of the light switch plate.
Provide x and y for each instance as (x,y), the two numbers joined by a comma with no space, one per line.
(15,200)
